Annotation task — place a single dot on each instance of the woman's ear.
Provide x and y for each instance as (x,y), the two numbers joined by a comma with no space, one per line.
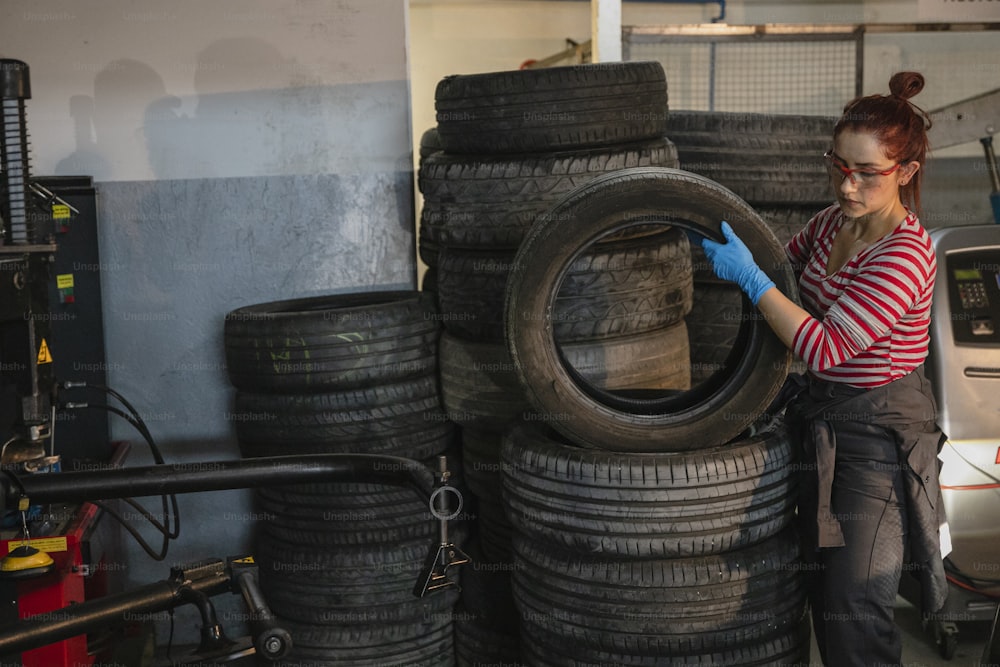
(908,171)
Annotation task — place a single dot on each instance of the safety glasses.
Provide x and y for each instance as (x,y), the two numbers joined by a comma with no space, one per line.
(861,177)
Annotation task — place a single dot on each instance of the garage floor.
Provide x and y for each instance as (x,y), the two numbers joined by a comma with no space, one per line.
(919,649)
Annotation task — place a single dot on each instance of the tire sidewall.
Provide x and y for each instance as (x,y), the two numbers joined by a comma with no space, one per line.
(623,199)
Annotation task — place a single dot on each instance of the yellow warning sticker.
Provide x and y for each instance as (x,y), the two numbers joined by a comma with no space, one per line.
(60,212)
(248,560)
(64,281)
(47,544)
(44,356)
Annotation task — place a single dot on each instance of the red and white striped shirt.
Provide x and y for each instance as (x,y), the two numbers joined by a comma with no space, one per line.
(870,319)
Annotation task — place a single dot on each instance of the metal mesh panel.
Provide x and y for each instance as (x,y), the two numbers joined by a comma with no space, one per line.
(952,74)
(813,76)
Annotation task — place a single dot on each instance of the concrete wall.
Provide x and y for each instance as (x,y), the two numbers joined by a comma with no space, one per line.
(244,151)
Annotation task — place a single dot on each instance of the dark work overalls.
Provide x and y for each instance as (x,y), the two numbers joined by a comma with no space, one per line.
(869,505)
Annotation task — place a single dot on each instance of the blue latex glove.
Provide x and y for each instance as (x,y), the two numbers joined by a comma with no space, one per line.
(733,261)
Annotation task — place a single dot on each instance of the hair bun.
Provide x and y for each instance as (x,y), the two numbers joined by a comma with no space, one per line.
(906,84)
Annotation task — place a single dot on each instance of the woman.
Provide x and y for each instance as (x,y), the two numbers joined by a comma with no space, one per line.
(866,417)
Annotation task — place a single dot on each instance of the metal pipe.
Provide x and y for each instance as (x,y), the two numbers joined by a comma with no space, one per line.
(74,620)
(991,652)
(270,639)
(721,3)
(199,476)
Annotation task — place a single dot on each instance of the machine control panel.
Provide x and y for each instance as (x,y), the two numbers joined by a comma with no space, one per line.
(974,289)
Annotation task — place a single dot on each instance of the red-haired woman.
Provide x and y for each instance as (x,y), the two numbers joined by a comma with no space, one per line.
(866,418)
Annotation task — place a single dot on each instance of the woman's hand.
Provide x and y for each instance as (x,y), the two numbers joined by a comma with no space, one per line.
(733,261)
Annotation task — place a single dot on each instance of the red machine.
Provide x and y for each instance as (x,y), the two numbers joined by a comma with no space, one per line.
(85,547)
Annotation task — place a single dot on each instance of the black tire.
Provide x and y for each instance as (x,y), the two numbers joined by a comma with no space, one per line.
(620,288)
(551,109)
(491,201)
(481,462)
(647,505)
(487,594)
(678,606)
(713,413)
(495,530)
(789,650)
(480,387)
(657,359)
(391,514)
(713,326)
(404,419)
(413,443)
(331,342)
(355,585)
(763,158)
(479,644)
(786,220)
(430,143)
(418,643)
(427,249)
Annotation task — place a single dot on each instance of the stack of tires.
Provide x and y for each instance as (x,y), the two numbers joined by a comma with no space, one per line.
(649,528)
(774,163)
(338,561)
(511,144)
(654,559)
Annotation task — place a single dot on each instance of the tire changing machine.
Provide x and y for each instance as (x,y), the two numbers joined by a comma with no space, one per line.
(964,367)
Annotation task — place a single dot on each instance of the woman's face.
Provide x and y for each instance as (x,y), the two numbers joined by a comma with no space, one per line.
(865,181)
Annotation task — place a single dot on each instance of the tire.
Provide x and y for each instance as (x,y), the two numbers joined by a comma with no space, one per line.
(430,143)
(620,288)
(660,607)
(491,201)
(715,412)
(495,531)
(551,109)
(669,505)
(786,220)
(713,327)
(331,342)
(487,594)
(479,644)
(788,650)
(713,323)
(763,158)
(390,515)
(481,463)
(419,643)
(480,388)
(404,419)
(413,443)
(354,585)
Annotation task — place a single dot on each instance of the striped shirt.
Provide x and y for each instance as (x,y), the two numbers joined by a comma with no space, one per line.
(870,319)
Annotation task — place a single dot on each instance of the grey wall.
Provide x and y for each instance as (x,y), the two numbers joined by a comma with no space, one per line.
(244,151)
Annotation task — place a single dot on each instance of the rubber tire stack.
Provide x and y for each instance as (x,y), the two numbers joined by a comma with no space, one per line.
(338,561)
(511,145)
(774,162)
(654,559)
(679,551)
